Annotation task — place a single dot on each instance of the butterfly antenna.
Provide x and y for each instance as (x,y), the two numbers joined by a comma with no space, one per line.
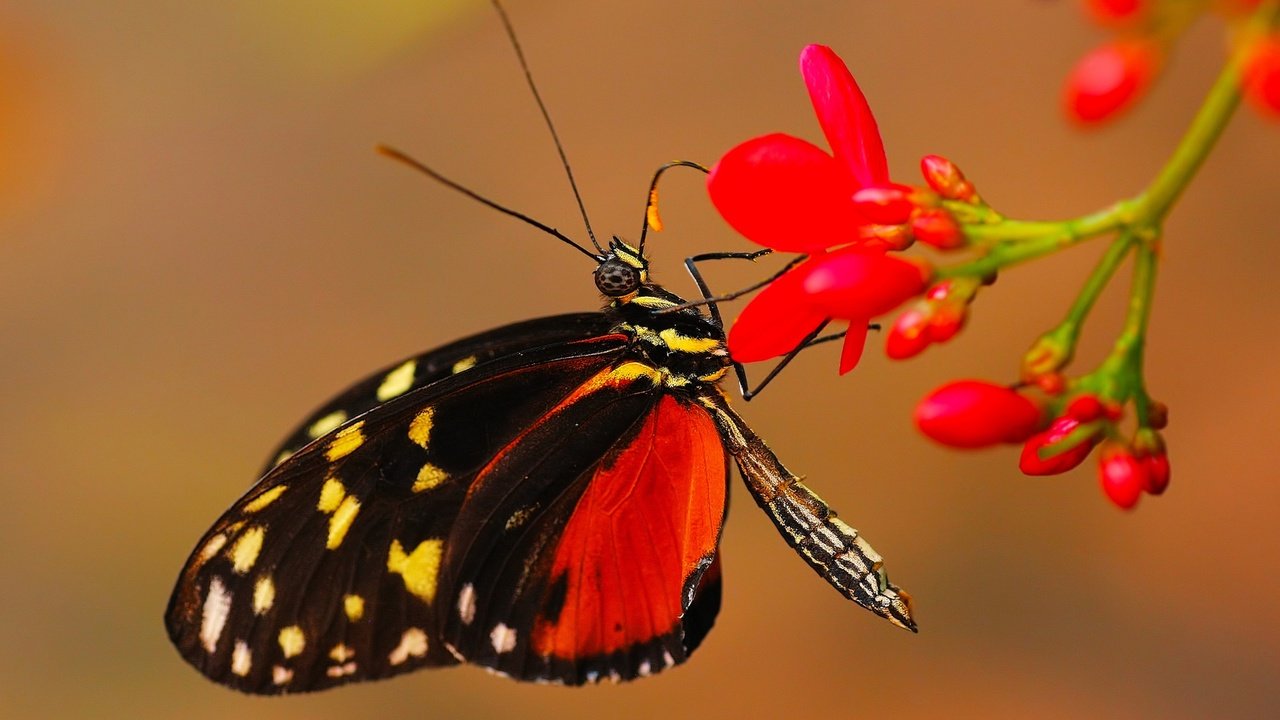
(564,159)
(416,165)
(651,219)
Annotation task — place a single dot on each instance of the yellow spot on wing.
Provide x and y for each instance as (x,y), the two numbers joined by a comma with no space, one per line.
(292,641)
(428,477)
(419,568)
(465,363)
(420,427)
(331,495)
(353,606)
(264,594)
(345,441)
(265,499)
(341,653)
(397,381)
(244,553)
(341,521)
(682,343)
(327,424)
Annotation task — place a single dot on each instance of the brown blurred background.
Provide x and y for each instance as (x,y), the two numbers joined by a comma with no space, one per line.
(197,244)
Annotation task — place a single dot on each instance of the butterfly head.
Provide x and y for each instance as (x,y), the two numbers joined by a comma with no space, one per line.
(622,271)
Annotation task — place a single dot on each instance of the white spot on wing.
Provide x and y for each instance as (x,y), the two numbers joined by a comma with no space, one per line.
(241,659)
(503,638)
(467,604)
(337,671)
(212,547)
(281,674)
(213,616)
(413,643)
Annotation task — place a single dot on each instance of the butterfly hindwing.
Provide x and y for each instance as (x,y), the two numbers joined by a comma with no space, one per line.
(326,571)
(593,567)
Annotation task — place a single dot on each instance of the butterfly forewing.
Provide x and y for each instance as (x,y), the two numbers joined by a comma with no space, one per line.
(414,372)
(327,570)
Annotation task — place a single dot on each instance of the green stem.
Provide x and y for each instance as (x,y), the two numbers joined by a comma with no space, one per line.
(1096,282)
(1120,376)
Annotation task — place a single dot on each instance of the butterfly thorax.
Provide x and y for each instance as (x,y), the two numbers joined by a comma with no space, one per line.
(684,346)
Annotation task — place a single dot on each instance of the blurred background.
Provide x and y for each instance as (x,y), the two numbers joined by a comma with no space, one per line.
(197,245)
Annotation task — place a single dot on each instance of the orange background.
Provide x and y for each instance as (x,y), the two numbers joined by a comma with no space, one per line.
(197,245)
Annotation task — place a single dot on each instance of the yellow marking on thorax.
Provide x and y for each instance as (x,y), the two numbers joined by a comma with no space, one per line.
(327,424)
(419,568)
(292,641)
(265,499)
(345,442)
(684,343)
(331,495)
(353,607)
(341,521)
(264,595)
(244,552)
(465,363)
(712,377)
(648,301)
(428,477)
(420,427)
(397,381)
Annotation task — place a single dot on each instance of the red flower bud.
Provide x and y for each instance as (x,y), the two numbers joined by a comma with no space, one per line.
(1085,408)
(1262,76)
(1156,468)
(886,205)
(936,227)
(909,335)
(945,178)
(1051,383)
(884,238)
(1109,78)
(1036,461)
(1157,415)
(976,413)
(856,283)
(1116,12)
(948,319)
(1123,477)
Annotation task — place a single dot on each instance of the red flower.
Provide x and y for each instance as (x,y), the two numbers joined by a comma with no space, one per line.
(975,414)
(790,195)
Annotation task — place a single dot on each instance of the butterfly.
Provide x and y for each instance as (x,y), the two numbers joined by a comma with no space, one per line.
(543,499)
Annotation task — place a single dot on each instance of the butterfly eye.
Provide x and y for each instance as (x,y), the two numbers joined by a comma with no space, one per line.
(616,278)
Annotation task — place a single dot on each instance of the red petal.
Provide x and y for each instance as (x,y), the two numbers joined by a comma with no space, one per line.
(855,341)
(784,193)
(844,114)
(775,321)
(975,414)
(855,283)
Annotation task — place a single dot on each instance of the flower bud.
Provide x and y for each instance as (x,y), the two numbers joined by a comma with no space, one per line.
(937,227)
(1123,477)
(1048,454)
(1117,12)
(976,413)
(909,335)
(1262,76)
(1085,407)
(1109,79)
(1047,355)
(1149,448)
(945,178)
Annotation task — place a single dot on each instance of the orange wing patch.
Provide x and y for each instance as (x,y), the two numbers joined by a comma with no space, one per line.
(646,523)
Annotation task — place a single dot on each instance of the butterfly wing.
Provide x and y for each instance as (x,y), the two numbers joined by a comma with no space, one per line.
(413,372)
(325,571)
(602,564)
(349,560)
(831,547)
